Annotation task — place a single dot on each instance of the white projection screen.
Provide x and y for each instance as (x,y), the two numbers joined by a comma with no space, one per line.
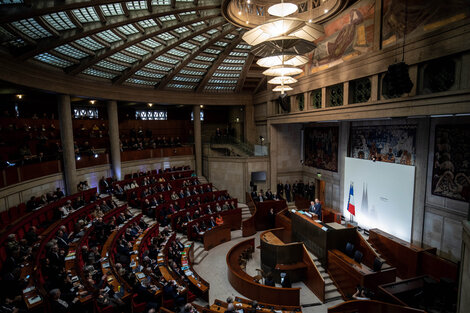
(383,195)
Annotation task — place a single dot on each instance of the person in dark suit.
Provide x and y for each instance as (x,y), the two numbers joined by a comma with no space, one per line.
(59,305)
(287,189)
(317,208)
(285,281)
(269,280)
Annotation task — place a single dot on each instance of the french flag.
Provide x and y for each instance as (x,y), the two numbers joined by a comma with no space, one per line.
(351,206)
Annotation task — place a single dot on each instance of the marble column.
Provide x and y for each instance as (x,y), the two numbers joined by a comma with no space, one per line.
(66,136)
(115,150)
(197,139)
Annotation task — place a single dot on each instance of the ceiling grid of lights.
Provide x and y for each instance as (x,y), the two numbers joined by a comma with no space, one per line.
(282,43)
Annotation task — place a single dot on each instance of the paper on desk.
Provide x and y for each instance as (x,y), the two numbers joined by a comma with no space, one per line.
(34,300)
(28,289)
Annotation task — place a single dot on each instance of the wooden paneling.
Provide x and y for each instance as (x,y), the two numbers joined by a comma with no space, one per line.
(31,171)
(90,160)
(216,236)
(434,266)
(244,284)
(12,176)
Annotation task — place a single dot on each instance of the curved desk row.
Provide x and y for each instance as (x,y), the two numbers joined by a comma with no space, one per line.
(244,283)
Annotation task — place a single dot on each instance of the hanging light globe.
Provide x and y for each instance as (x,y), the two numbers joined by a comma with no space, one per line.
(286,59)
(282,9)
(281,80)
(282,70)
(282,88)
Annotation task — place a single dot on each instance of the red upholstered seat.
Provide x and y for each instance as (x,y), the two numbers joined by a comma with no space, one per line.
(137,307)
(107,309)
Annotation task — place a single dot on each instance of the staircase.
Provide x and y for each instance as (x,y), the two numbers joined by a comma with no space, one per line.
(331,292)
(246,213)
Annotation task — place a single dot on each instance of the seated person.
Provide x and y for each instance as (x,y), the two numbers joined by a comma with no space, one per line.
(269,280)
(219,220)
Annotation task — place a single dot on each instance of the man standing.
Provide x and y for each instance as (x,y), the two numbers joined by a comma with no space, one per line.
(287,188)
(317,208)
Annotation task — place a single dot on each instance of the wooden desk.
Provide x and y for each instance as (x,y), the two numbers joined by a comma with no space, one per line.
(244,283)
(347,273)
(216,236)
(279,255)
(199,285)
(319,237)
(270,238)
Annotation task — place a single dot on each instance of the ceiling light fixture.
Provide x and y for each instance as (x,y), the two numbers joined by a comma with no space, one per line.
(282,80)
(282,9)
(286,59)
(282,70)
(282,88)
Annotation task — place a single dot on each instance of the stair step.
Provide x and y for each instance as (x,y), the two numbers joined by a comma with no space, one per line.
(328,281)
(330,287)
(338,297)
(332,293)
(198,259)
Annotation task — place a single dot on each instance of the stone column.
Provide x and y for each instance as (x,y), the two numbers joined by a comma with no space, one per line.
(197,139)
(250,126)
(66,136)
(115,149)
(273,139)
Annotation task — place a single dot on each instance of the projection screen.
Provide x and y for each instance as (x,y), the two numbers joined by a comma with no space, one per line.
(382,195)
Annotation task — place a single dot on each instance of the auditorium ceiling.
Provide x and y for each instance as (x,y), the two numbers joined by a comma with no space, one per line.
(184,45)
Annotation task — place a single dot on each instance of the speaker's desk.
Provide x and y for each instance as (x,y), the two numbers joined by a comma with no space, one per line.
(319,237)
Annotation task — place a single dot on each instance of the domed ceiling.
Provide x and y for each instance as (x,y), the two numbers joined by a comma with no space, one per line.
(184,45)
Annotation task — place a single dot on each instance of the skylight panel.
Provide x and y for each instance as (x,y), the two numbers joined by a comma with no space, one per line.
(234,61)
(187,13)
(137,50)
(212,31)
(180,86)
(166,18)
(200,38)
(98,73)
(137,5)
(52,60)
(86,15)
(17,42)
(226,75)
(158,67)
(148,23)
(184,0)
(31,28)
(230,68)
(186,72)
(149,74)
(221,43)
(161,2)
(188,45)
(198,65)
(186,79)
(220,88)
(213,51)
(112,9)
(151,43)
(238,54)
(177,52)
(123,58)
(222,81)
(139,81)
(197,23)
(108,36)
(128,29)
(181,29)
(243,46)
(166,60)
(111,65)
(59,21)
(205,58)
(89,43)
(230,36)
(11,1)
(71,51)
(165,36)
